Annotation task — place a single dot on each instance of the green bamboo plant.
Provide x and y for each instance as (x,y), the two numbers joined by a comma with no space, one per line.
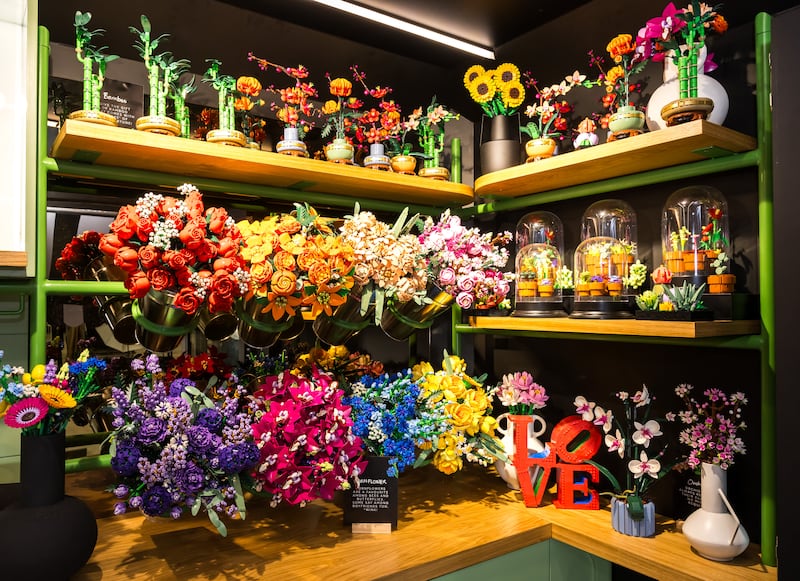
(153,63)
(90,56)
(225,85)
(180,91)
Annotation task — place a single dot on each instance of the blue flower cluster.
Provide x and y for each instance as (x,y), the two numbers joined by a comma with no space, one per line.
(176,449)
(391,419)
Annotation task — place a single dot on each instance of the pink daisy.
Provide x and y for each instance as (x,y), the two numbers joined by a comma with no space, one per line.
(26,412)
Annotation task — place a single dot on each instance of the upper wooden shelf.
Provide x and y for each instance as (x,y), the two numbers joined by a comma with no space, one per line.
(653,150)
(678,329)
(128,148)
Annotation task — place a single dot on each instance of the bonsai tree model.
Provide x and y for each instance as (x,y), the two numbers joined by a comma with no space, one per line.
(90,57)
(162,71)
(225,85)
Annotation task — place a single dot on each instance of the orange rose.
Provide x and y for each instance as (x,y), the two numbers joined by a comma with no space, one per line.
(226,264)
(284,260)
(319,273)
(127,259)
(124,225)
(207,251)
(194,201)
(341,87)
(109,244)
(216,219)
(288,224)
(160,278)
(308,257)
(260,274)
(218,303)
(173,259)
(149,256)
(284,282)
(228,247)
(187,300)
(224,284)
(183,276)
(194,233)
(137,284)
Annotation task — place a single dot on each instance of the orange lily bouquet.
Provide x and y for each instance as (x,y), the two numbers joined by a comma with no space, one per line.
(296,260)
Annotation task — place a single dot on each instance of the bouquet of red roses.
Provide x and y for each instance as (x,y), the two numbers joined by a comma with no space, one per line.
(177,245)
(77,255)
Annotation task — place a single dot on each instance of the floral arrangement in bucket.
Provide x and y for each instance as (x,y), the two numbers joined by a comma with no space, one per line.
(393,419)
(470,434)
(296,107)
(388,259)
(176,450)
(465,262)
(498,91)
(712,426)
(296,259)
(633,439)
(44,400)
(308,447)
(77,254)
(177,245)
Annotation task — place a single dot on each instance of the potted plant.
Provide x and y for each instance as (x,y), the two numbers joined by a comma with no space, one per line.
(633,438)
(341,115)
(720,281)
(90,55)
(431,131)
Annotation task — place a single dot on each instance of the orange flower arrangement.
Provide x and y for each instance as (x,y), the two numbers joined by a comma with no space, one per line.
(295,260)
(379,123)
(343,111)
(169,244)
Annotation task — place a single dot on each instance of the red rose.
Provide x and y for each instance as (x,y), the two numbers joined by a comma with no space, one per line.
(194,202)
(216,220)
(187,301)
(228,247)
(207,251)
(194,233)
(161,278)
(143,229)
(173,259)
(149,256)
(168,205)
(218,303)
(224,284)
(109,244)
(124,225)
(137,284)
(227,264)
(183,276)
(91,238)
(127,259)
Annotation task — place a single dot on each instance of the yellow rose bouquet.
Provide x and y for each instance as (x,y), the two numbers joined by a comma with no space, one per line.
(467,407)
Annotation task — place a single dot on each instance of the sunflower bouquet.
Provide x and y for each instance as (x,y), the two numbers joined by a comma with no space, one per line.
(498,91)
(43,401)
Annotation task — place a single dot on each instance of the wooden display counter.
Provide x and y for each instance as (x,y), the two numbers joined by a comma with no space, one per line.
(445,524)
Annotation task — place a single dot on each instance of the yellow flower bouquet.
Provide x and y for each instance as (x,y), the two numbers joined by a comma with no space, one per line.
(498,91)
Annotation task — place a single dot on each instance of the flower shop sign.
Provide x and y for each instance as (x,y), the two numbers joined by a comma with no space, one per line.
(572,442)
(371,505)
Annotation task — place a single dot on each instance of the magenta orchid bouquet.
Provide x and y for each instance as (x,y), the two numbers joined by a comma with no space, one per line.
(520,393)
(712,426)
(465,262)
(307,447)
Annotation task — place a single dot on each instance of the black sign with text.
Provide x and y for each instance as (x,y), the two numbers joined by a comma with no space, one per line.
(125,101)
(375,500)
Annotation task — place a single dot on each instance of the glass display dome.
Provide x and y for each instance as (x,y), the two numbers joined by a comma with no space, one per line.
(540,248)
(603,260)
(694,232)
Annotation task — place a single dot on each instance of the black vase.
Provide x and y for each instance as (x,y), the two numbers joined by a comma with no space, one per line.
(45,534)
(501,143)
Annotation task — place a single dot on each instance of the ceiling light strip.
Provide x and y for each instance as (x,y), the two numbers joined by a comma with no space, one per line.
(408,27)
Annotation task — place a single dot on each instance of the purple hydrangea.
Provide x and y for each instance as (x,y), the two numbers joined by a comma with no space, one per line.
(200,439)
(191,478)
(177,387)
(238,457)
(210,418)
(126,459)
(156,500)
(152,430)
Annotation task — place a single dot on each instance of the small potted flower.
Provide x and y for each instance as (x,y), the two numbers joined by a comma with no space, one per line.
(633,440)
(296,107)
(341,116)
(430,131)
(500,93)
(547,115)
(713,425)
(376,124)
(720,281)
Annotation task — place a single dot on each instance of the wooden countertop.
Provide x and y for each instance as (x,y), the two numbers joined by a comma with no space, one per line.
(445,524)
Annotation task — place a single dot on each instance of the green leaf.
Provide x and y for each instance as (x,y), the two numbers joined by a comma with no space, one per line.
(635,507)
(237,486)
(611,478)
(145,24)
(196,506)
(215,520)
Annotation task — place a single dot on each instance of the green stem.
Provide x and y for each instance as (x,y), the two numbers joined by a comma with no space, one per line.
(87,82)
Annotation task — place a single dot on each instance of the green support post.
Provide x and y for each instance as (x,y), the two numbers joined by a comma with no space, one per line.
(766,259)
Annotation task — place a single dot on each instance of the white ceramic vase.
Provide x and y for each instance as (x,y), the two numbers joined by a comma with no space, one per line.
(505,426)
(668,91)
(714,529)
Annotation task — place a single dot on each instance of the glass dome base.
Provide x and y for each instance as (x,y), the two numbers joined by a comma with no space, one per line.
(540,308)
(601,309)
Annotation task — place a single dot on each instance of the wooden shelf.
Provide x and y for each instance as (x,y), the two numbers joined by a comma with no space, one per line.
(446,523)
(680,329)
(654,150)
(128,148)
(13,258)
